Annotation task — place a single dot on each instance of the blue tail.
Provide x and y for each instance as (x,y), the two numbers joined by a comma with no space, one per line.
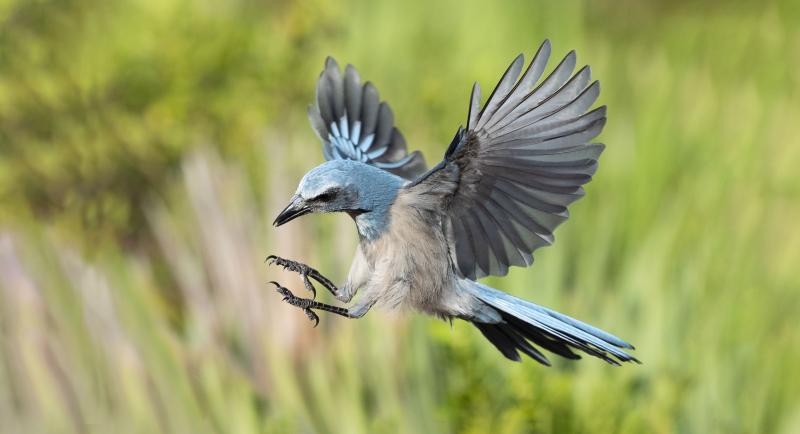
(524,321)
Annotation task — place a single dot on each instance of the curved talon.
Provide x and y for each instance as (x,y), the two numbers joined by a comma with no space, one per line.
(281,290)
(297,267)
(312,316)
(309,286)
(304,303)
(293,300)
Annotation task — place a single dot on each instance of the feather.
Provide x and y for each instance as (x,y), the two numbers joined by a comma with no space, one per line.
(498,255)
(552,126)
(370,101)
(499,252)
(335,87)
(556,142)
(589,340)
(354,124)
(531,76)
(575,108)
(474,106)
(316,122)
(523,345)
(550,84)
(383,130)
(352,92)
(396,147)
(539,338)
(480,245)
(323,101)
(499,340)
(501,91)
(508,232)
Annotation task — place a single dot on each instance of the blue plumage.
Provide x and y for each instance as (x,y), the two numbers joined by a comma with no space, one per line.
(503,187)
(354,124)
(366,191)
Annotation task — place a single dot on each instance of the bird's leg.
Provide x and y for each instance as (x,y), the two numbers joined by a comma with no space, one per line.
(305,271)
(308,304)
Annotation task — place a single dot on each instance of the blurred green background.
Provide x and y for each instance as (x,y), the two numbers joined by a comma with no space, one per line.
(145,147)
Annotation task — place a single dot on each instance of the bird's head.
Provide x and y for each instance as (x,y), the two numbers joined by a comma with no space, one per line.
(343,186)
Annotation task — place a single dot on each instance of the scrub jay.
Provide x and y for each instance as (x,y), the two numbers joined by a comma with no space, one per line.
(428,235)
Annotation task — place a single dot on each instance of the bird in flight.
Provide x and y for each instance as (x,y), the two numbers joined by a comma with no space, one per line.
(428,235)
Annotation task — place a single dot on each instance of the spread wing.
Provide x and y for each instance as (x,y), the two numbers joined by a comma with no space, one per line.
(354,124)
(506,181)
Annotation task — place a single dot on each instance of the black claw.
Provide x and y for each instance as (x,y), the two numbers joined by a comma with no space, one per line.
(287,264)
(282,291)
(312,316)
(309,286)
(297,267)
(302,303)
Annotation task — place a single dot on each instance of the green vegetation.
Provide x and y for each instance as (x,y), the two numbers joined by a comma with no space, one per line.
(145,147)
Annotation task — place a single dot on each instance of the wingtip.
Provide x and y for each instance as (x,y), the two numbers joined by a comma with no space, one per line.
(544,361)
(542,54)
(330,62)
(350,70)
(371,90)
(602,148)
(474,105)
(586,69)
(475,95)
(571,55)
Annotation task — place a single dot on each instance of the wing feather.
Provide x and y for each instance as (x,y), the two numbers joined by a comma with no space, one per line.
(354,124)
(501,91)
(531,76)
(521,161)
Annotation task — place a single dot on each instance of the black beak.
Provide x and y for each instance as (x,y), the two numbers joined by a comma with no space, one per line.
(296,208)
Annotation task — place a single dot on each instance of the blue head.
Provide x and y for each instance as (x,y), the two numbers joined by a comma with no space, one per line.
(363,191)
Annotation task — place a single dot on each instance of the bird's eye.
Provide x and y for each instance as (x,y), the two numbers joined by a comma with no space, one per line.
(327,196)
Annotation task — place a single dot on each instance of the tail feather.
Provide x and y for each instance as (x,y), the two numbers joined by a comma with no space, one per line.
(506,339)
(537,337)
(524,321)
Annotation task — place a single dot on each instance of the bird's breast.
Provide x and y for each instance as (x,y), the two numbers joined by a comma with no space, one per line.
(410,260)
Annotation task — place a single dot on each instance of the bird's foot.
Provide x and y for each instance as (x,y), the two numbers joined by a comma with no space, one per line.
(307,305)
(297,267)
(288,264)
(305,271)
(302,303)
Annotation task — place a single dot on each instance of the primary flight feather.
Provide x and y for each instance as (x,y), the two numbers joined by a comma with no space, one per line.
(427,235)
